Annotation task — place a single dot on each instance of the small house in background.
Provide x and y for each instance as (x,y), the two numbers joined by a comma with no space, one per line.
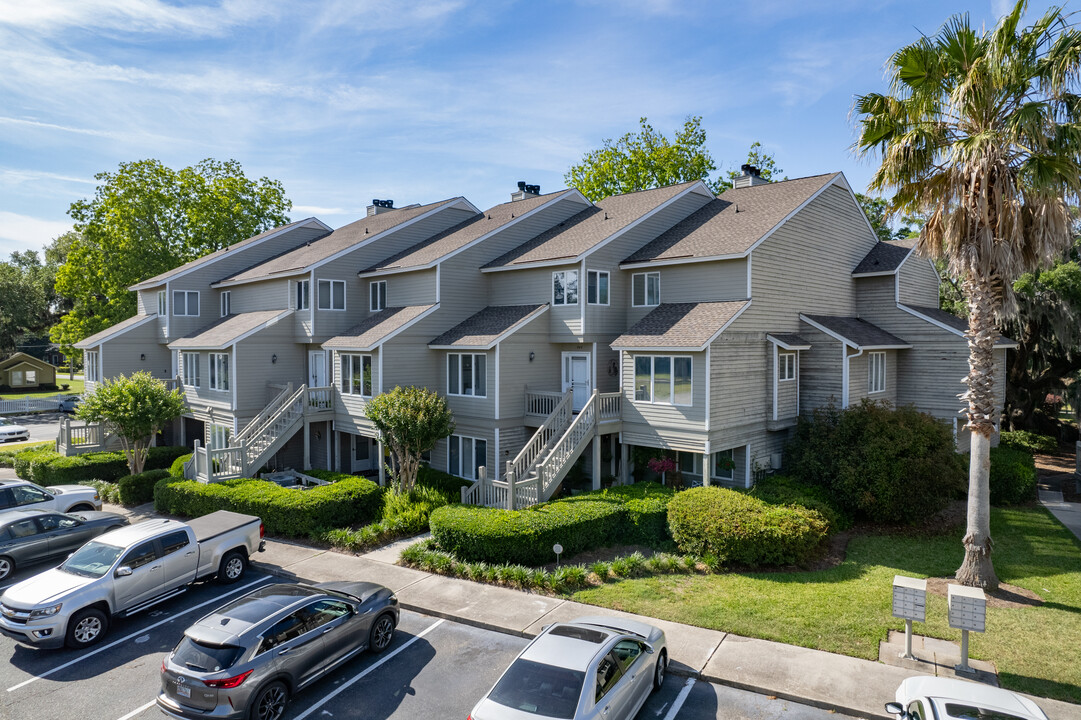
(54,357)
(26,372)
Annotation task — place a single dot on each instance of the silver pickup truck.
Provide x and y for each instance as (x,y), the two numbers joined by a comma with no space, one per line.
(125,571)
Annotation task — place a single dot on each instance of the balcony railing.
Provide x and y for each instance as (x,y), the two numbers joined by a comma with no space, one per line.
(541,402)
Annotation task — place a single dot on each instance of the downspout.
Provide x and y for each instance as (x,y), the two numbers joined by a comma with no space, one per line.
(846,371)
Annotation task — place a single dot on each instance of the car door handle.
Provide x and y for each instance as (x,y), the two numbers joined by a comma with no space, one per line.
(284,650)
(190,552)
(329,629)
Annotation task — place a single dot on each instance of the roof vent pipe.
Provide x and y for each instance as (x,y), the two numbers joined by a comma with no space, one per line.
(380,206)
(525,191)
(751,176)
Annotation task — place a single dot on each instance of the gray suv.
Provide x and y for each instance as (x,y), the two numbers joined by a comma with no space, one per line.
(246,659)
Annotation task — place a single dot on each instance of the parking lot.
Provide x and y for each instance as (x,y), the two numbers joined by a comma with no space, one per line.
(42,426)
(434,668)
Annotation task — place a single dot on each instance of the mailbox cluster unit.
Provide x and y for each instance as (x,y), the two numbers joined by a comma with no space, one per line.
(968,608)
(909,598)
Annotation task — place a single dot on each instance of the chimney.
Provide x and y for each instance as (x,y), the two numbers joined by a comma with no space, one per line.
(749,178)
(380,206)
(525,191)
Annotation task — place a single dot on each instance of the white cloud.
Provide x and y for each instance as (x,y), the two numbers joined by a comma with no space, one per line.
(27,122)
(132,16)
(301,211)
(22,232)
(18,176)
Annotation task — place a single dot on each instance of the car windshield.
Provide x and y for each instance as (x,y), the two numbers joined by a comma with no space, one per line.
(970,712)
(197,656)
(539,689)
(92,560)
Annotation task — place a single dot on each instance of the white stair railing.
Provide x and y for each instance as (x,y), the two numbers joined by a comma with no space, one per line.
(272,407)
(567,449)
(553,427)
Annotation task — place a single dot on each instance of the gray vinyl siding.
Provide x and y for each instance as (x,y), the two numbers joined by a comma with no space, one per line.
(660,425)
(820,370)
(266,295)
(517,371)
(121,354)
(715,281)
(410,288)
(607,364)
(329,323)
(806,265)
(858,370)
(254,372)
(918,282)
(740,385)
(349,412)
(147,301)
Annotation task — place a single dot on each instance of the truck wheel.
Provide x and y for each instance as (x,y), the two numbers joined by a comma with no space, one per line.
(381,634)
(7,566)
(85,628)
(83,507)
(231,568)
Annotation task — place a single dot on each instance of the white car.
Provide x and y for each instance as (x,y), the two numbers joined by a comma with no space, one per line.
(931,698)
(62,498)
(595,668)
(10,431)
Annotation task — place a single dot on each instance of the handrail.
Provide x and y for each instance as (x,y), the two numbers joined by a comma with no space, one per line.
(541,402)
(564,449)
(553,426)
(252,431)
(270,409)
(610,406)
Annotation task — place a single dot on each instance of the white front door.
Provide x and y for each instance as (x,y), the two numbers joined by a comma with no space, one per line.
(361,453)
(576,376)
(317,368)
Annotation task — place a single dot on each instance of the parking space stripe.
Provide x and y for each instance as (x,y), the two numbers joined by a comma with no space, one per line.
(680,699)
(138,710)
(367,670)
(124,639)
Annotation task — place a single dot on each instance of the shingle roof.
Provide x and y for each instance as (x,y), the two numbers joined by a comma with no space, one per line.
(159,279)
(857,331)
(583,231)
(959,324)
(483,329)
(460,235)
(885,256)
(224,332)
(789,339)
(680,325)
(98,338)
(297,259)
(733,222)
(376,327)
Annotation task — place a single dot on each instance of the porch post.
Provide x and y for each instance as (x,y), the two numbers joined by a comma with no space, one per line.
(510,489)
(612,454)
(307,445)
(596,442)
(706,469)
(382,466)
(624,461)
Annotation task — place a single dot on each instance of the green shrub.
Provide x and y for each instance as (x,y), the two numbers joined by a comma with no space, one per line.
(735,528)
(876,463)
(1013,476)
(177,468)
(7,457)
(48,467)
(139,489)
(109,492)
(1028,441)
(449,485)
(402,516)
(784,490)
(284,511)
(526,536)
(645,511)
(329,475)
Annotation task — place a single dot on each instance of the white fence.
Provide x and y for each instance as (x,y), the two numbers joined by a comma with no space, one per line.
(28,405)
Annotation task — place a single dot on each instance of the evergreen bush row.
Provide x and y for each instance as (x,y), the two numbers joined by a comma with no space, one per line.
(48,467)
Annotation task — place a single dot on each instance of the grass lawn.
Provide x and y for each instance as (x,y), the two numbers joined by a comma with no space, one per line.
(75,387)
(846,609)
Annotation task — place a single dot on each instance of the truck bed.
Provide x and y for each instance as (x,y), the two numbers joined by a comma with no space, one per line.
(216,523)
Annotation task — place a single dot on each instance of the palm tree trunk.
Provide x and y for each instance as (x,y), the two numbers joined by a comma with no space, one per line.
(977,570)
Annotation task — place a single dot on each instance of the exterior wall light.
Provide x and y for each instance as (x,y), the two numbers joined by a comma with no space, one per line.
(273,359)
(142,356)
(532,355)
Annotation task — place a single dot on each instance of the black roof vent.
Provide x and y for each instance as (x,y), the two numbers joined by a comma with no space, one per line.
(535,189)
(383,203)
(521,185)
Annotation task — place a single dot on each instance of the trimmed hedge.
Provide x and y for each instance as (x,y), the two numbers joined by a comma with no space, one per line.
(48,467)
(1029,441)
(1013,476)
(784,490)
(450,485)
(733,527)
(139,489)
(298,513)
(645,510)
(177,468)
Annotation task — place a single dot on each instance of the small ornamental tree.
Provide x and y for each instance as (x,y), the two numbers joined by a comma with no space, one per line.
(410,420)
(134,408)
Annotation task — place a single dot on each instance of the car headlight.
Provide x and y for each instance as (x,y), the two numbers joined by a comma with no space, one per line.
(46,611)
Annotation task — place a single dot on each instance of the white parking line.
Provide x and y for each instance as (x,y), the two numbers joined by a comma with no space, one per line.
(367,670)
(124,639)
(138,710)
(680,699)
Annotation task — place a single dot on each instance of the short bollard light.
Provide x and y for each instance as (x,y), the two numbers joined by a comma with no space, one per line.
(558,550)
(909,603)
(968,611)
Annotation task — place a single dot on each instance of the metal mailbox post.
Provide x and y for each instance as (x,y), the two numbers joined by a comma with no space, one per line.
(968,611)
(909,603)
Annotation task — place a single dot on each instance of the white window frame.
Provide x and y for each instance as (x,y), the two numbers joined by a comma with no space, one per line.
(461,440)
(713,465)
(564,276)
(352,364)
(90,365)
(377,295)
(226,303)
(17,378)
(653,379)
(646,276)
(219,436)
(456,368)
(786,366)
(303,295)
(596,275)
(330,297)
(30,377)
(187,303)
(190,363)
(219,372)
(876,376)
(163,308)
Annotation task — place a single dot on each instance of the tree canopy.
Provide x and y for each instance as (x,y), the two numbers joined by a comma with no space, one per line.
(146,219)
(26,287)
(981,133)
(410,420)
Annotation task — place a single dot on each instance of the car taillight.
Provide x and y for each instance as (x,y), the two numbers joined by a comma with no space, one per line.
(262,530)
(163,665)
(226,683)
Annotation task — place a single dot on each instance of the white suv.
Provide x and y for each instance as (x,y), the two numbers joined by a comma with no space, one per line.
(63,498)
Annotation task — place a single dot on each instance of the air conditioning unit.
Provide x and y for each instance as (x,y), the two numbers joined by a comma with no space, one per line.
(775,461)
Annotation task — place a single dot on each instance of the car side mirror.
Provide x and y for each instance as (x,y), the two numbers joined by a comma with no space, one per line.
(895,708)
(123,571)
(649,649)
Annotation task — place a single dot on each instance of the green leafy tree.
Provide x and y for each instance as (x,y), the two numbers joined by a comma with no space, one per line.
(26,288)
(981,131)
(643,160)
(764,161)
(134,408)
(410,420)
(146,219)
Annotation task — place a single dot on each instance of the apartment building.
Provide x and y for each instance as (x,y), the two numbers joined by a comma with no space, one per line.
(556,328)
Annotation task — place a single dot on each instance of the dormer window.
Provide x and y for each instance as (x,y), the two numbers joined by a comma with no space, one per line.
(565,287)
(186,303)
(378,292)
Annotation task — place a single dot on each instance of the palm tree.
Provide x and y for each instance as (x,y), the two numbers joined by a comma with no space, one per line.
(981,132)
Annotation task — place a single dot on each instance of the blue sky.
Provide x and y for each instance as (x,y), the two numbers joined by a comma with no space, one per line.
(349,100)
